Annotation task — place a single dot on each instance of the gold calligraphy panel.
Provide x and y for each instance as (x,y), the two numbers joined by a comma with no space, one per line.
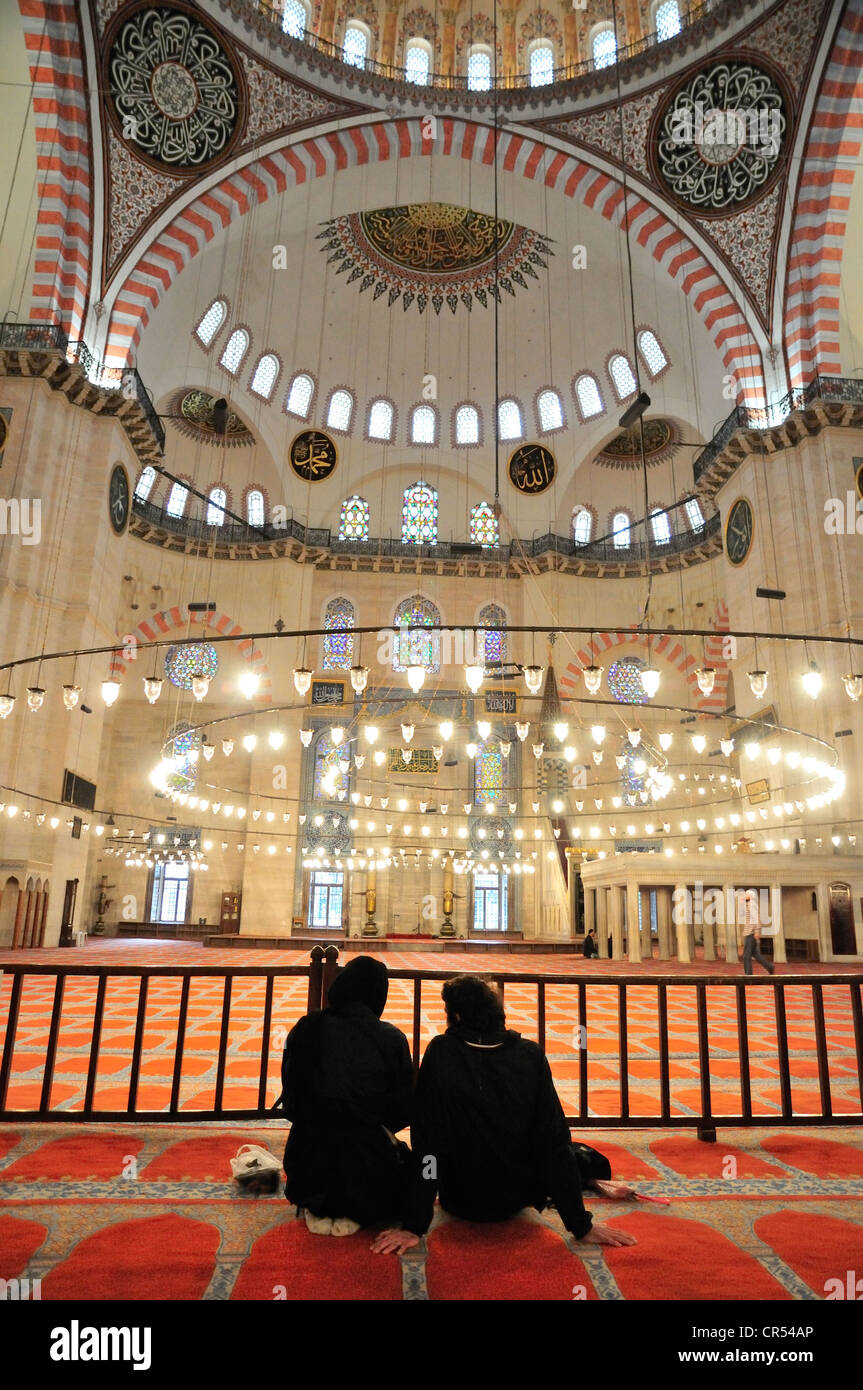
(313,456)
(532,469)
(423,762)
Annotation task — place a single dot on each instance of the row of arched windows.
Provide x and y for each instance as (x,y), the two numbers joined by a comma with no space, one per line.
(424,419)
(217,500)
(419,519)
(357,46)
(621,523)
(417,648)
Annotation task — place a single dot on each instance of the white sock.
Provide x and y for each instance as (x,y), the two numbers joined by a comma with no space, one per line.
(319,1225)
(344,1226)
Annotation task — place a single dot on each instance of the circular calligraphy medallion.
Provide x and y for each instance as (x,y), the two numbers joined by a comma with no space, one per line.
(313,456)
(119,498)
(739,530)
(532,469)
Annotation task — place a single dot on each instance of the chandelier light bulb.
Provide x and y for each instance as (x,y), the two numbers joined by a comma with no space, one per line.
(35,697)
(811,681)
(407,755)
(533,678)
(227,746)
(7,704)
(706,677)
(110,691)
(620,759)
(560,731)
(249,742)
(504,745)
(275,738)
(598,733)
(522,730)
(570,753)
(407,732)
(699,742)
(302,680)
(537,749)
(665,741)
(593,678)
(379,757)
(650,679)
(597,756)
(437,752)
(71,695)
(360,678)
(200,686)
(152,688)
(446,729)
(474,676)
(752,749)
(483,728)
(249,682)
(471,750)
(727,746)
(853,686)
(634,736)
(337,735)
(758,684)
(774,755)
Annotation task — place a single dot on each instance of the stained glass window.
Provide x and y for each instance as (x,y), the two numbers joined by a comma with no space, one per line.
(541,65)
(331,783)
(667,19)
(177,500)
(509,420)
(467,425)
(235,350)
(381,421)
(489,773)
(265,375)
(624,681)
(294,18)
(216,506)
(417,648)
(495,644)
(483,526)
(419,515)
(694,514)
(300,396)
(212,321)
(181,746)
(620,530)
(340,410)
(423,425)
(339,646)
(604,48)
(582,525)
(622,375)
(144,485)
(354,525)
(632,781)
(479,70)
(356,46)
(550,411)
(188,660)
(589,399)
(255,507)
(417,63)
(651,350)
(661,526)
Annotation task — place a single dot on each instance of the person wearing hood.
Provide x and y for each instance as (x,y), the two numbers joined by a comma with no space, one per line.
(347,1084)
(488,1131)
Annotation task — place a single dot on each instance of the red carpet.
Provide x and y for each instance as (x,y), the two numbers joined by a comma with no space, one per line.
(159,1257)
(517,1260)
(80,1155)
(19,1241)
(207,1159)
(290,1263)
(818,1248)
(693,1159)
(823,1158)
(685,1259)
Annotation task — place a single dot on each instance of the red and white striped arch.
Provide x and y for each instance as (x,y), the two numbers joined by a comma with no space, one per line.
(668,648)
(62,262)
(201,219)
(811,311)
(170,619)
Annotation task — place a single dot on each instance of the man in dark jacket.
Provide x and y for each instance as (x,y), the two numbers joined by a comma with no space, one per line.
(347,1083)
(488,1132)
(590,947)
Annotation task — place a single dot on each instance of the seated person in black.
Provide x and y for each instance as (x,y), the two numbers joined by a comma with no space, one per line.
(488,1131)
(347,1087)
(590,947)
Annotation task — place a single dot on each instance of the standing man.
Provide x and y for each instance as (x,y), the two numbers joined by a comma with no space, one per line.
(752,934)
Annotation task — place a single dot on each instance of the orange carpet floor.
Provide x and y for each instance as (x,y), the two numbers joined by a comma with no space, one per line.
(150,1212)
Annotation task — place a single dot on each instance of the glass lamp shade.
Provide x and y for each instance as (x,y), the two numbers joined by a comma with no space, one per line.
(7,704)
(110,691)
(360,761)
(337,735)
(522,730)
(209,751)
(650,679)
(560,731)
(249,682)
(152,688)
(537,749)
(811,681)
(275,738)
(227,746)
(634,736)
(620,759)
(727,746)
(597,756)
(437,752)
(699,742)
(593,678)
(706,677)
(407,754)
(416,678)
(35,697)
(665,741)
(471,750)
(474,676)
(302,680)
(446,729)
(504,747)
(71,695)
(407,732)
(371,734)
(598,733)
(853,686)
(758,684)
(200,686)
(483,728)
(533,678)
(249,742)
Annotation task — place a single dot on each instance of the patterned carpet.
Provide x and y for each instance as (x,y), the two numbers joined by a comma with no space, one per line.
(562,1041)
(149,1212)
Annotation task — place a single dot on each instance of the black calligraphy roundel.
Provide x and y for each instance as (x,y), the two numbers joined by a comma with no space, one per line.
(313,456)
(532,469)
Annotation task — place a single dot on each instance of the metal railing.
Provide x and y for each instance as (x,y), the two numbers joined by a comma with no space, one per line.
(587,989)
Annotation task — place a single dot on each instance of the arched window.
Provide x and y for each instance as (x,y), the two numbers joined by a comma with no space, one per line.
(588,396)
(144,485)
(419,515)
(621,531)
(331,780)
(660,526)
(467,425)
(299,396)
(356,47)
(423,424)
(177,500)
(340,411)
(235,350)
(381,421)
(651,351)
(483,526)
(265,375)
(255,507)
(694,514)
(550,411)
(294,18)
(494,643)
(541,64)
(338,646)
(489,773)
(417,61)
(182,748)
(417,648)
(212,321)
(604,48)
(666,19)
(582,525)
(509,421)
(354,524)
(622,376)
(479,70)
(216,503)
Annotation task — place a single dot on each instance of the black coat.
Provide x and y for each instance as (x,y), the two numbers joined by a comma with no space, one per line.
(347,1085)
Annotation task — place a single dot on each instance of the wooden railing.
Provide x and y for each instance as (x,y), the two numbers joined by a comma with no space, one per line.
(321,970)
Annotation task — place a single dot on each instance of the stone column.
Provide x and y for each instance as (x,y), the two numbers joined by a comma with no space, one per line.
(825,939)
(510,61)
(19,918)
(634,25)
(327,25)
(684,954)
(388,38)
(447,51)
(616,921)
(708,933)
(602,922)
(41,938)
(589,910)
(663,921)
(633,934)
(570,39)
(646,936)
(780,955)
